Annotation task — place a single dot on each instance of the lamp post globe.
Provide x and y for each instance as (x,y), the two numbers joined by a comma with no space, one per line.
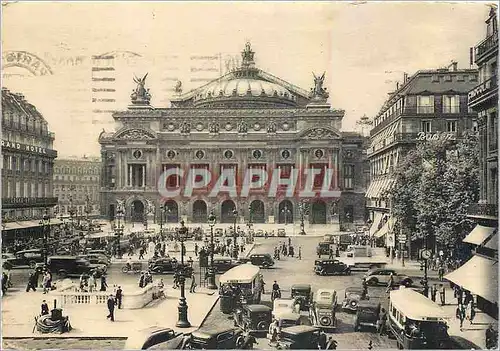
(182,321)
(211,269)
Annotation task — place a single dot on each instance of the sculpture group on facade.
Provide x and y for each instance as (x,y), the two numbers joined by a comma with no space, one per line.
(318,92)
(242,127)
(140,95)
(213,127)
(271,128)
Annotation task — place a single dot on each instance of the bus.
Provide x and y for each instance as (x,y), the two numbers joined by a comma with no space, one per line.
(240,285)
(415,321)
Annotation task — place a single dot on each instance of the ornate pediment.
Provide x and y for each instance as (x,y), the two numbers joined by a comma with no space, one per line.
(135,134)
(320,133)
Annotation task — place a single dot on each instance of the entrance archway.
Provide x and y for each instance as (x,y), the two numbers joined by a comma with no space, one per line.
(172,212)
(226,211)
(318,212)
(285,210)
(111,212)
(137,211)
(200,211)
(258,213)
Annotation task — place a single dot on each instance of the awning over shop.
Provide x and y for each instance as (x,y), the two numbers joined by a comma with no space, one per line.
(493,242)
(21,225)
(479,234)
(479,275)
(383,231)
(370,189)
(376,222)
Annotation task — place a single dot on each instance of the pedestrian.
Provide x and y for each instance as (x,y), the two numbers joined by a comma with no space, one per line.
(318,252)
(382,321)
(300,252)
(44,308)
(390,283)
(31,282)
(322,340)
(442,293)
(46,282)
(104,284)
(196,249)
(92,283)
(460,295)
(460,314)
(471,312)
(141,253)
(491,338)
(365,287)
(330,251)
(4,282)
(441,272)
(193,284)
(289,241)
(433,292)
(111,308)
(142,280)
(370,345)
(119,296)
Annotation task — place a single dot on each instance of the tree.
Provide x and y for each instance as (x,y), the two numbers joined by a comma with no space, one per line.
(435,184)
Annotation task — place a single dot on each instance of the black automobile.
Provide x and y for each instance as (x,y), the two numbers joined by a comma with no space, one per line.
(382,276)
(298,337)
(254,319)
(146,338)
(261,260)
(217,338)
(302,293)
(367,315)
(353,295)
(71,266)
(331,267)
(222,265)
(25,258)
(163,265)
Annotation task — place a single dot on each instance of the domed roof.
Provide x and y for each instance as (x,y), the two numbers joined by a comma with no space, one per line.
(244,87)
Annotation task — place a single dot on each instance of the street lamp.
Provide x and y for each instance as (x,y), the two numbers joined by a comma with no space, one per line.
(118,232)
(302,208)
(235,235)
(211,270)
(45,223)
(183,307)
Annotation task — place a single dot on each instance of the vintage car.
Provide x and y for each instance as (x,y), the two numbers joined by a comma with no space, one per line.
(222,264)
(254,319)
(324,248)
(261,260)
(353,295)
(97,259)
(327,267)
(98,252)
(71,266)
(381,276)
(286,312)
(303,295)
(146,338)
(322,311)
(259,233)
(281,233)
(367,314)
(297,337)
(221,338)
(25,258)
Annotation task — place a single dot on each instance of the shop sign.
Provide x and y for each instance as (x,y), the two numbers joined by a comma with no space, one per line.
(423,136)
(27,148)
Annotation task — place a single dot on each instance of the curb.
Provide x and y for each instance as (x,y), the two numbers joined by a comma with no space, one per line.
(209,311)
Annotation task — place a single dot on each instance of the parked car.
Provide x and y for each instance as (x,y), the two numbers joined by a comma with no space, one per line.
(322,311)
(382,276)
(97,259)
(261,260)
(327,267)
(353,295)
(366,315)
(222,338)
(281,233)
(302,293)
(302,337)
(146,338)
(26,258)
(259,233)
(253,318)
(71,266)
(222,265)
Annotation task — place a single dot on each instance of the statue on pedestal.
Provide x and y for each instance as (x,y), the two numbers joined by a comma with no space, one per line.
(318,92)
(140,96)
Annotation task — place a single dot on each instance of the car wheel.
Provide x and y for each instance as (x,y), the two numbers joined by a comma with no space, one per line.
(125,269)
(32,264)
(408,283)
(325,321)
(262,325)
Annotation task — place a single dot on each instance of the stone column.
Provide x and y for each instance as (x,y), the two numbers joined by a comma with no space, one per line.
(129,181)
(143,167)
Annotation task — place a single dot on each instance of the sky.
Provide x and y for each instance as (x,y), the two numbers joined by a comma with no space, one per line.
(364,48)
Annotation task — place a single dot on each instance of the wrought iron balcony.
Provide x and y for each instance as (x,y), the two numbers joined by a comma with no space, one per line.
(488,211)
(487,46)
(17,202)
(483,91)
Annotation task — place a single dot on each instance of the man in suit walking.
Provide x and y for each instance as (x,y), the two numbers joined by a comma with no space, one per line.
(111,308)
(119,296)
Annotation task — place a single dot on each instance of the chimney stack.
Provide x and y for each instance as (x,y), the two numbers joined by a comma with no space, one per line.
(405,77)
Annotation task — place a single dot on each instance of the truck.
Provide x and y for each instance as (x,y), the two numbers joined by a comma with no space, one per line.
(358,251)
(361,258)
